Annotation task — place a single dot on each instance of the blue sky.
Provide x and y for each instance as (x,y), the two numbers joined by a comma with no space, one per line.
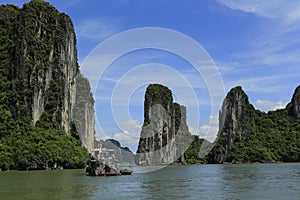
(254,44)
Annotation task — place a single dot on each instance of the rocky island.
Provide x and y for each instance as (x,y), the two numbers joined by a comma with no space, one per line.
(165,135)
(249,135)
(246,134)
(46,107)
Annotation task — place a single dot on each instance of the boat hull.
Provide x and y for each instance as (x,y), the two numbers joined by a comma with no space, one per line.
(97,168)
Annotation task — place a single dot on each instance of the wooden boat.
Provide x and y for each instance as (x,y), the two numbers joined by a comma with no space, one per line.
(103,163)
(97,168)
(126,170)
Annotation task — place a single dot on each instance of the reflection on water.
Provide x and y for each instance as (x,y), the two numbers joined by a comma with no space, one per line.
(255,181)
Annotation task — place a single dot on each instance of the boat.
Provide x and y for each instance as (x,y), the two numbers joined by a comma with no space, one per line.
(98,168)
(126,170)
(104,163)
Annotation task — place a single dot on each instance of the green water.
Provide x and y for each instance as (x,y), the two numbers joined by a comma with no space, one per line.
(254,181)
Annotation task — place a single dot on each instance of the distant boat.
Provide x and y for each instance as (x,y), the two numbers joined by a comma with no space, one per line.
(126,170)
(104,163)
(97,168)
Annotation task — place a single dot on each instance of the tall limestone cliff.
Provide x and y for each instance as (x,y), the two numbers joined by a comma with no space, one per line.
(40,76)
(235,124)
(83,112)
(249,135)
(165,135)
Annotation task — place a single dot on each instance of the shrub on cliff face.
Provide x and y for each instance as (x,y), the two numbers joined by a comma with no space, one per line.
(156,94)
(192,153)
(28,147)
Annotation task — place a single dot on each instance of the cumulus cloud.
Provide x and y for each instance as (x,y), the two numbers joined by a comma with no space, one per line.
(259,84)
(276,43)
(95,29)
(209,131)
(277,9)
(265,105)
(130,133)
(126,138)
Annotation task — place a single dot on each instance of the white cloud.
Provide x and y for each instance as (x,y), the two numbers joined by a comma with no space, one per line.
(265,105)
(293,15)
(142,75)
(272,52)
(126,139)
(276,42)
(209,131)
(276,9)
(133,126)
(95,29)
(130,133)
(285,14)
(225,68)
(260,84)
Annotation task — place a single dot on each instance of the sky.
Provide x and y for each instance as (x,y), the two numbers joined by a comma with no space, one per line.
(199,49)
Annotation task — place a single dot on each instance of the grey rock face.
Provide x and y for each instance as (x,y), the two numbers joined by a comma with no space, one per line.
(83,112)
(296,102)
(164,130)
(44,73)
(48,56)
(235,121)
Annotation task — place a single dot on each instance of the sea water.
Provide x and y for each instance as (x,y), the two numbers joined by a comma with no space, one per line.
(244,181)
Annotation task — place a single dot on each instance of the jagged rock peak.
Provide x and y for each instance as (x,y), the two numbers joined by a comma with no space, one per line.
(235,120)
(237,94)
(246,132)
(236,110)
(296,102)
(157,94)
(164,131)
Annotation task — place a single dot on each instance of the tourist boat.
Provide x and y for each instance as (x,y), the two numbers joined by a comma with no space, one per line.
(104,163)
(98,168)
(126,170)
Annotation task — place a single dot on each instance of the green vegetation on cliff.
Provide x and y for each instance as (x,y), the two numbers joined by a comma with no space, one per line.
(38,69)
(192,153)
(23,146)
(249,135)
(31,38)
(275,137)
(156,94)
